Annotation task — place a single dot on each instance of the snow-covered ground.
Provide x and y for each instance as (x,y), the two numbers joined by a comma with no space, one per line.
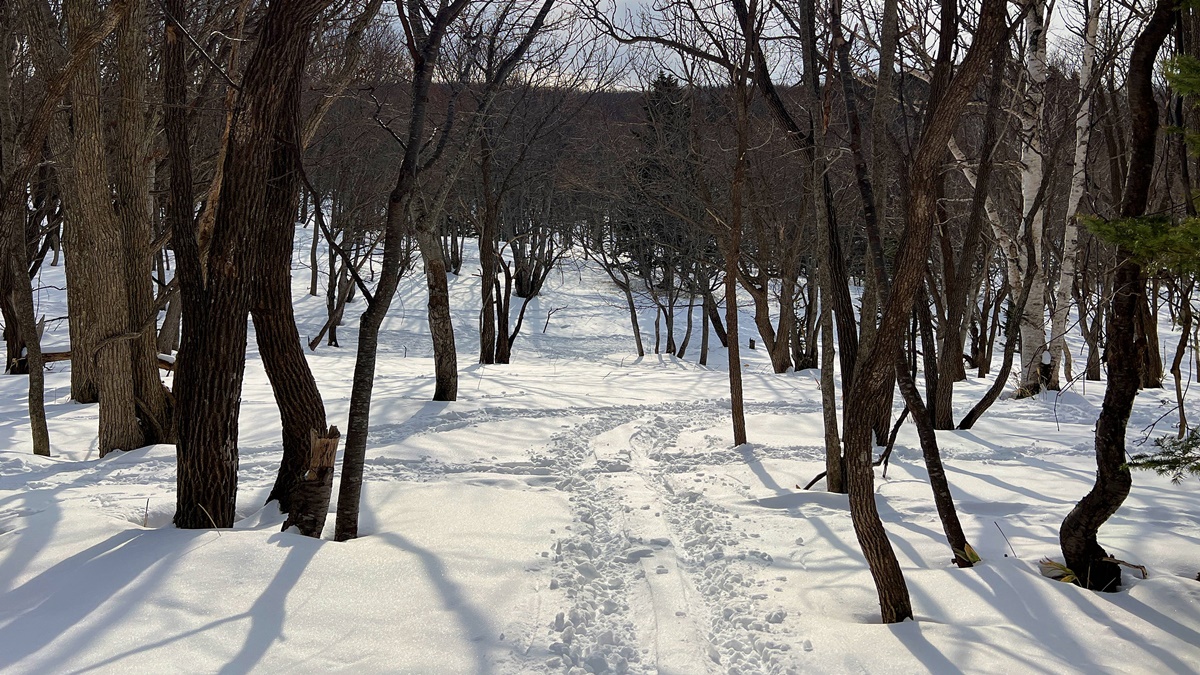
(580,508)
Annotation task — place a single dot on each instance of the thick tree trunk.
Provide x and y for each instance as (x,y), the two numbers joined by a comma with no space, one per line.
(310,495)
(58,75)
(279,344)
(101,305)
(872,379)
(489,233)
(300,406)
(134,206)
(881,117)
(1083,553)
(259,180)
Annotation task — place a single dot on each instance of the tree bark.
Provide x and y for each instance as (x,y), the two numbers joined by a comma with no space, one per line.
(100,304)
(872,380)
(733,247)
(14,282)
(425,55)
(134,205)
(441,328)
(1078,534)
(218,289)
(1066,274)
(1033,314)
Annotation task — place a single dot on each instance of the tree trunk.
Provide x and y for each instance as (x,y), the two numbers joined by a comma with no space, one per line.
(736,404)
(168,335)
(300,406)
(872,378)
(259,181)
(488,239)
(714,318)
(313,260)
(1083,553)
(687,333)
(310,496)
(134,206)
(835,463)
(959,301)
(1066,274)
(943,499)
(14,281)
(425,61)
(102,304)
(1186,319)
(633,317)
(1033,317)
(1147,330)
(441,328)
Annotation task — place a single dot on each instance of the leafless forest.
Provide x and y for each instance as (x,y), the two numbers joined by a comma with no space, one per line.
(911,191)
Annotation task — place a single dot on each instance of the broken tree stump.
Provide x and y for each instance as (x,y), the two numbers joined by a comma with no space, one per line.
(310,497)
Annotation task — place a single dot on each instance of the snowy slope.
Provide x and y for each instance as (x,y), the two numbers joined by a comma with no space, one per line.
(579,508)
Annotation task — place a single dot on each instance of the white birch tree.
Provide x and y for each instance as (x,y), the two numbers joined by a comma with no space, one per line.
(1061,357)
(1033,316)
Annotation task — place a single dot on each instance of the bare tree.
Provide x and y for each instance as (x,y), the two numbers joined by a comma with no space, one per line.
(259,182)
(1091,564)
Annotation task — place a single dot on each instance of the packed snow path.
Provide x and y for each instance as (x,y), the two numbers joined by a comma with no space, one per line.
(650,576)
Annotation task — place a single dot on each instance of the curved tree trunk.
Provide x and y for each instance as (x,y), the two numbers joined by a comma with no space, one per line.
(259,178)
(872,378)
(1083,553)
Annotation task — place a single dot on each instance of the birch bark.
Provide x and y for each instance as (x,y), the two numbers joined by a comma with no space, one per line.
(1033,316)
(1066,277)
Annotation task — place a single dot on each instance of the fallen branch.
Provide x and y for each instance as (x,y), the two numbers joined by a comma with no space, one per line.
(1140,568)
(164,362)
(883,459)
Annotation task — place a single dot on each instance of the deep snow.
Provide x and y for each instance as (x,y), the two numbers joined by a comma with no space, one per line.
(580,508)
